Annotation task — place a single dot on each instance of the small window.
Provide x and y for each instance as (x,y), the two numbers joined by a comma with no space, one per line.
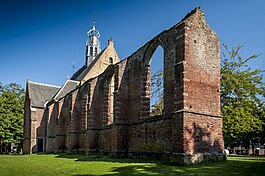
(96,51)
(91,51)
(111,60)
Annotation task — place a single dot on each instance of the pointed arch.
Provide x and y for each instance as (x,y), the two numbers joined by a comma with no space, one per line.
(157,82)
(146,101)
(109,91)
(151,48)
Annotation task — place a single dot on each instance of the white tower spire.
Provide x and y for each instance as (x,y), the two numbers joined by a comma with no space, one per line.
(92,45)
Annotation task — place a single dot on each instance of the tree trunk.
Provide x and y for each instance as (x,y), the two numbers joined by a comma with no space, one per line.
(252,147)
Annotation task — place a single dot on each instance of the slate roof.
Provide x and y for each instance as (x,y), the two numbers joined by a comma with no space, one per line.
(41,93)
(84,70)
(78,72)
(66,88)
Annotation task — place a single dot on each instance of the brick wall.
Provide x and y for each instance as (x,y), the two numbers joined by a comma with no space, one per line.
(111,112)
(202,121)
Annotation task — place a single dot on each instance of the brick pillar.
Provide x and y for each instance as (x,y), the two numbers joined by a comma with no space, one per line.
(90,121)
(72,118)
(33,145)
(27,127)
(91,132)
(60,133)
(145,92)
(72,136)
(199,93)
(120,111)
(105,104)
(84,112)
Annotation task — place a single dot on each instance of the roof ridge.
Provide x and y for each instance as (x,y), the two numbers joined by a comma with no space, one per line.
(61,88)
(73,81)
(59,91)
(49,85)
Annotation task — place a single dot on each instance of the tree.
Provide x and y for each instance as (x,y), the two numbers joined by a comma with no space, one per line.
(157,93)
(11,112)
(242,90)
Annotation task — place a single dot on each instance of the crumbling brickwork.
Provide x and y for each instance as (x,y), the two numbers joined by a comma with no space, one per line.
(110,113)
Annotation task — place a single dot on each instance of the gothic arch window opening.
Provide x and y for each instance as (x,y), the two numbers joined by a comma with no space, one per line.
(156,80)
(91,50)
(96,51)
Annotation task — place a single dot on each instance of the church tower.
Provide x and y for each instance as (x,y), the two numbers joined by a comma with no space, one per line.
(92,45)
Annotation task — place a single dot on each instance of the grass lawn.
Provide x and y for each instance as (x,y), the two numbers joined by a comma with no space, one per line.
(70,164)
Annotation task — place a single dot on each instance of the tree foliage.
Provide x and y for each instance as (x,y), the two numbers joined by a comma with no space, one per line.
(242,98)
(11,112)
(242,90)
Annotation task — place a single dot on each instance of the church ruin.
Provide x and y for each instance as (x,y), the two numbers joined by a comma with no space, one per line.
(105,106)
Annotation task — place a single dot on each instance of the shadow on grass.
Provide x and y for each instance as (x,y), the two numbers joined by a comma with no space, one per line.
(228,168)
(106,158)
(233,166)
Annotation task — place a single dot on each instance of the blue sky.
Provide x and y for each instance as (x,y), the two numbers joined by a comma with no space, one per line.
(40,39)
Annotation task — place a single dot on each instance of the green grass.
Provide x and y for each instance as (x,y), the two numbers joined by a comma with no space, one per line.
(66,164)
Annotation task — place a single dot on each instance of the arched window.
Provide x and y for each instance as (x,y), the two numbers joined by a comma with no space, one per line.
(157,82)
(96,51)
(111,60)
(91,50)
